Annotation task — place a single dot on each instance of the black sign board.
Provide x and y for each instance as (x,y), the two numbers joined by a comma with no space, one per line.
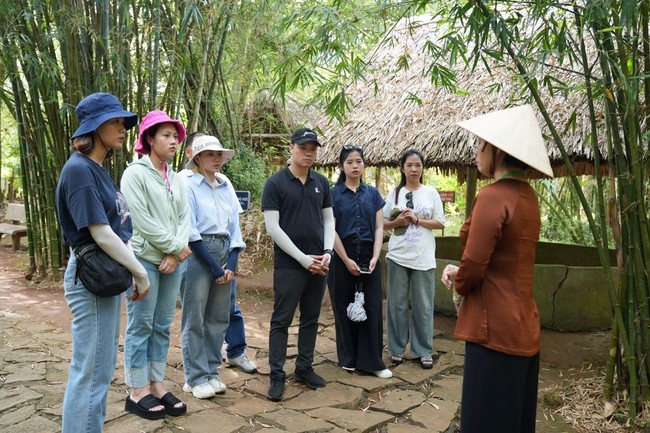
(244,198)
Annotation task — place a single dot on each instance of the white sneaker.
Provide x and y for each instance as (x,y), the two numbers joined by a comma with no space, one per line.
(202,390)
(348,368)
(217,386)
(243,363)
(383,374)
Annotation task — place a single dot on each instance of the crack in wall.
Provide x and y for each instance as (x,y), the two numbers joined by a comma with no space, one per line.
(555,292)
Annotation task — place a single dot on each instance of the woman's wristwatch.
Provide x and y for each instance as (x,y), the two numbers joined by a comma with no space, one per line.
(330,252)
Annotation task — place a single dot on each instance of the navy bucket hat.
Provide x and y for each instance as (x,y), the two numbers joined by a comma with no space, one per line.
(97,108)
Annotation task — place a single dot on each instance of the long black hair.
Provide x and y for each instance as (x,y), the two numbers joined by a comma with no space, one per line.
(345,152)
(402,161)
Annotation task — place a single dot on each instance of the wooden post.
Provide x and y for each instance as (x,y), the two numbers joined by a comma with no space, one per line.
(470,191)
(378,180)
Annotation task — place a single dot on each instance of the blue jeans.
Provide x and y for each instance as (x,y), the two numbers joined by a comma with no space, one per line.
(146,340)
(206,308)
(95,337)
(236,333)
(406,284)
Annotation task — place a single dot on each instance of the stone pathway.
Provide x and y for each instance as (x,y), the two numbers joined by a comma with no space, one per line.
(34,358)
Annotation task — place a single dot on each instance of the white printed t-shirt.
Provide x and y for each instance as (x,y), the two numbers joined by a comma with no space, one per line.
(415,249)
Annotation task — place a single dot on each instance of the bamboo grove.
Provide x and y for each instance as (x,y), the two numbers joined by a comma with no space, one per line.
(605,47)
(152,54)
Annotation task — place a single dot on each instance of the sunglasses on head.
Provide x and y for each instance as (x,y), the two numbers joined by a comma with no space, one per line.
(409,200)
(352,147)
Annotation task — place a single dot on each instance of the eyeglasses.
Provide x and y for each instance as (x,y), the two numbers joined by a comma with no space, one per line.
(352,147)
(409,200)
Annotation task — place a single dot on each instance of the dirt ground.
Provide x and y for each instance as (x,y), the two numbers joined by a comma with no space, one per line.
(566,357)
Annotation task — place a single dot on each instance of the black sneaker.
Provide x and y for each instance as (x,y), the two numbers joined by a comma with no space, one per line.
(309,378)
(276,390)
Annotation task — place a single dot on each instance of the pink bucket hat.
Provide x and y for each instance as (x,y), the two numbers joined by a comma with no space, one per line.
(154,118)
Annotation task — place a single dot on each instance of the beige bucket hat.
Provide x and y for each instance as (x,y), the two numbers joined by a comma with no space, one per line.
(516,132)
(208,142)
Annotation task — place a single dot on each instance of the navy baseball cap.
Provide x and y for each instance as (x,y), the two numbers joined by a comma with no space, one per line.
(304,135)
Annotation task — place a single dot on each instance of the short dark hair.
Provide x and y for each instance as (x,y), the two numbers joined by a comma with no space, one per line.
(84,143)
(190,138)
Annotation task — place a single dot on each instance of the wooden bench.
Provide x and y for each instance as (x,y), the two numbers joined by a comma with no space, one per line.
(15,215)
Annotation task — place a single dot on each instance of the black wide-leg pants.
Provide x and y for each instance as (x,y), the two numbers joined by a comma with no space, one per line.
(358,344)
(499,392)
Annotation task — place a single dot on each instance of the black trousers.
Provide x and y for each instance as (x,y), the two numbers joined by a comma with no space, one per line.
(294,288)
(358,344)
(499,392)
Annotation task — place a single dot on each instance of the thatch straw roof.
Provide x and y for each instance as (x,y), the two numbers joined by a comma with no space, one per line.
(398,109)
(266,121)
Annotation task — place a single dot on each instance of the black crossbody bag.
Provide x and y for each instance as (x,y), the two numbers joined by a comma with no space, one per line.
(99,273)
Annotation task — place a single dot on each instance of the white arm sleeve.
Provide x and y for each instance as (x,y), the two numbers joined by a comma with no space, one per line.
(108,241)
(329,226)
(272,221)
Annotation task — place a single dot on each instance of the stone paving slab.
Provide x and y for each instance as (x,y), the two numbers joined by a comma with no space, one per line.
(334,394)
(435,415)
(449,346)
(352,420)
(405,428)
(210,421)
(448,388)
(34,363)
(293,421)
(399,401)
(250,406)
(33,424)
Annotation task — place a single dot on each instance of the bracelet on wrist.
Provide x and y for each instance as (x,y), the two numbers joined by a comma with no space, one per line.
(330,252)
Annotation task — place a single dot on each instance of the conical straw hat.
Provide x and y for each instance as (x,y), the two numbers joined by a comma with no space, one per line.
(516,132)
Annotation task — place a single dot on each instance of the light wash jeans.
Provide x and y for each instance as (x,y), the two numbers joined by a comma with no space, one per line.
(206,314)
(236,333)
(95,337)
(418,286)
(146,340)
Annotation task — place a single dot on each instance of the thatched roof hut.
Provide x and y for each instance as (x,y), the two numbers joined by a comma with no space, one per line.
(396,109)
(267,122)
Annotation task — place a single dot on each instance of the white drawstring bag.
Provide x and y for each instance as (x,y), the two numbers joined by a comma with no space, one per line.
(356,312)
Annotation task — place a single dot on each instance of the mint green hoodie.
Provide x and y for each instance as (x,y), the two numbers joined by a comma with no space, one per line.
(160,215)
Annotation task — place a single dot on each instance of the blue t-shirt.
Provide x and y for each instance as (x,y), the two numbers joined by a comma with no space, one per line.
(300,206)
(86,195)
(355,212)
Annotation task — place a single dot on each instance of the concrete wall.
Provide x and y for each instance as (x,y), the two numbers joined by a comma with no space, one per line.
(569,298)
(569,285)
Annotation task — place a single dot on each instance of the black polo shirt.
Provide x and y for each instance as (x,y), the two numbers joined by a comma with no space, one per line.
(300,208)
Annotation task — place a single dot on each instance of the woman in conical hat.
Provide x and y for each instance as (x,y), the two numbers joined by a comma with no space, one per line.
(498,316)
